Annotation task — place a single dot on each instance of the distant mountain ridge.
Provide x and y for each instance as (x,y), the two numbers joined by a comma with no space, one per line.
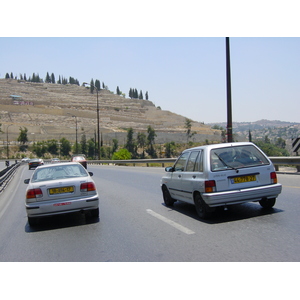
(265,130)
(257,124)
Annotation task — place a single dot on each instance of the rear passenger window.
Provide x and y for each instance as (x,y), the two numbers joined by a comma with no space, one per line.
(194,163)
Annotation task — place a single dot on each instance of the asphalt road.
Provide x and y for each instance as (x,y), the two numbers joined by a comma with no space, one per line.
(135,225)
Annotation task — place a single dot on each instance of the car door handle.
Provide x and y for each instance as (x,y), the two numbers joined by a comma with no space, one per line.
(194,176)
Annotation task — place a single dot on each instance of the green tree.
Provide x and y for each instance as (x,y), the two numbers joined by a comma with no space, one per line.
(130,144)
(170,149)
(83,144)
(271,149)
(23,139)
(98,84)
(267,140)
(48,78)
(92,86)
(52,146)
(65,147)
(53,78)
(115,145)
(91,147)
(141,142)
(188,127)
(150,142)
(141,95)
(250,136)
(121,154)
(280,143)
(40,148)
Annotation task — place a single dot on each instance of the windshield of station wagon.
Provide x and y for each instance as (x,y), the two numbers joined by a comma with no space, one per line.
(59,172)
(236,157)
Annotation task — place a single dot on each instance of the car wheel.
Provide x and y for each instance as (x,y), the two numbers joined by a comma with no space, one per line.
(169,201)
(95,213)
(201,207)
(267,203)
(32,221)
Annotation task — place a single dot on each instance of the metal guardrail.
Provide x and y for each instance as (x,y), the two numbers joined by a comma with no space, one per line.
(277,161)
(134,161)
(6,175)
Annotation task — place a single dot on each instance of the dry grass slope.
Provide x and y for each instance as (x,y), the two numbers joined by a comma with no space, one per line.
(53,105)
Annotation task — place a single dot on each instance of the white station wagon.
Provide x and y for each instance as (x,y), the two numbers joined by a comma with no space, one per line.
(220,175)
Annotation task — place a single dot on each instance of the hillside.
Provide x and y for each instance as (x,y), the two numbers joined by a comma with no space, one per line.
(271,129)
(46,110)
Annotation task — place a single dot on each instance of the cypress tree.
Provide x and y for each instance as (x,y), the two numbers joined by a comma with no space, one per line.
(92,86)
(141,95)
(48,79)
(52,78)
(98,84)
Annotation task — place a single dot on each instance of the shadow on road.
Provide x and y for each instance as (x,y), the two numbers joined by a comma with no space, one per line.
(61,221)
(233,213)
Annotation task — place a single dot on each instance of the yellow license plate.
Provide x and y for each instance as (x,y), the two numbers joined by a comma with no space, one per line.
(243,179)
(61,190)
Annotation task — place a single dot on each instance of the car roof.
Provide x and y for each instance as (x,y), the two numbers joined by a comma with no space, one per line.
(223,145)
(61,164)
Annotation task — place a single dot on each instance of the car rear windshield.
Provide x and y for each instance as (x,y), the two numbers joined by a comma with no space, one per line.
(59,172)
(78,158)
(236,157)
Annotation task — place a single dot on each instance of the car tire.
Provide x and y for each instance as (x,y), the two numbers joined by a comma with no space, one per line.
(32,221)
(169,201)
(201,207)
(267,203)
(95,213)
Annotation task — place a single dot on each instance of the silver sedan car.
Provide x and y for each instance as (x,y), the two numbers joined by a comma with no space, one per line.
(59,189)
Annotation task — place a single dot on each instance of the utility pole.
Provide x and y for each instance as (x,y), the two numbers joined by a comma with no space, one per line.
(98,120)
(229,108)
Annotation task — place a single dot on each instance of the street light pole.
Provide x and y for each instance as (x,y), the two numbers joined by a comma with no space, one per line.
(229,108)
(98,120)
(76,145)
(7,148)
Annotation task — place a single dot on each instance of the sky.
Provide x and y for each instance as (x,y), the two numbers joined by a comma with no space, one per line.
(182,73)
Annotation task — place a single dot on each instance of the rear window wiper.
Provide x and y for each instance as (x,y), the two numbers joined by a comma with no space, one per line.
(225,163)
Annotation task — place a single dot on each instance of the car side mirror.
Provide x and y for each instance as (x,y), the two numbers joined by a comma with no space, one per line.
(26,181)
(169,169)
(91,173)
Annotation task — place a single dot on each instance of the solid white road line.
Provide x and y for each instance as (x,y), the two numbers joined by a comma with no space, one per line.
(170,222)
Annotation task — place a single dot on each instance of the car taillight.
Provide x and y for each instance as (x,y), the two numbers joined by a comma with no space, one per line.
(87,187)
(34,193)
(273,176)
(210,186)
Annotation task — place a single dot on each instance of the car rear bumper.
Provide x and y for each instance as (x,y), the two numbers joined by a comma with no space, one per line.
(48,208)
(242,195)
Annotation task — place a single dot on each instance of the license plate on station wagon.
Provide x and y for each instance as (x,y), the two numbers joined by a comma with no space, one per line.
(61,190)
(242,179)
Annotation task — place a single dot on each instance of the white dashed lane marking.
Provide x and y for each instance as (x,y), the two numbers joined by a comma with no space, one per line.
(170,222)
